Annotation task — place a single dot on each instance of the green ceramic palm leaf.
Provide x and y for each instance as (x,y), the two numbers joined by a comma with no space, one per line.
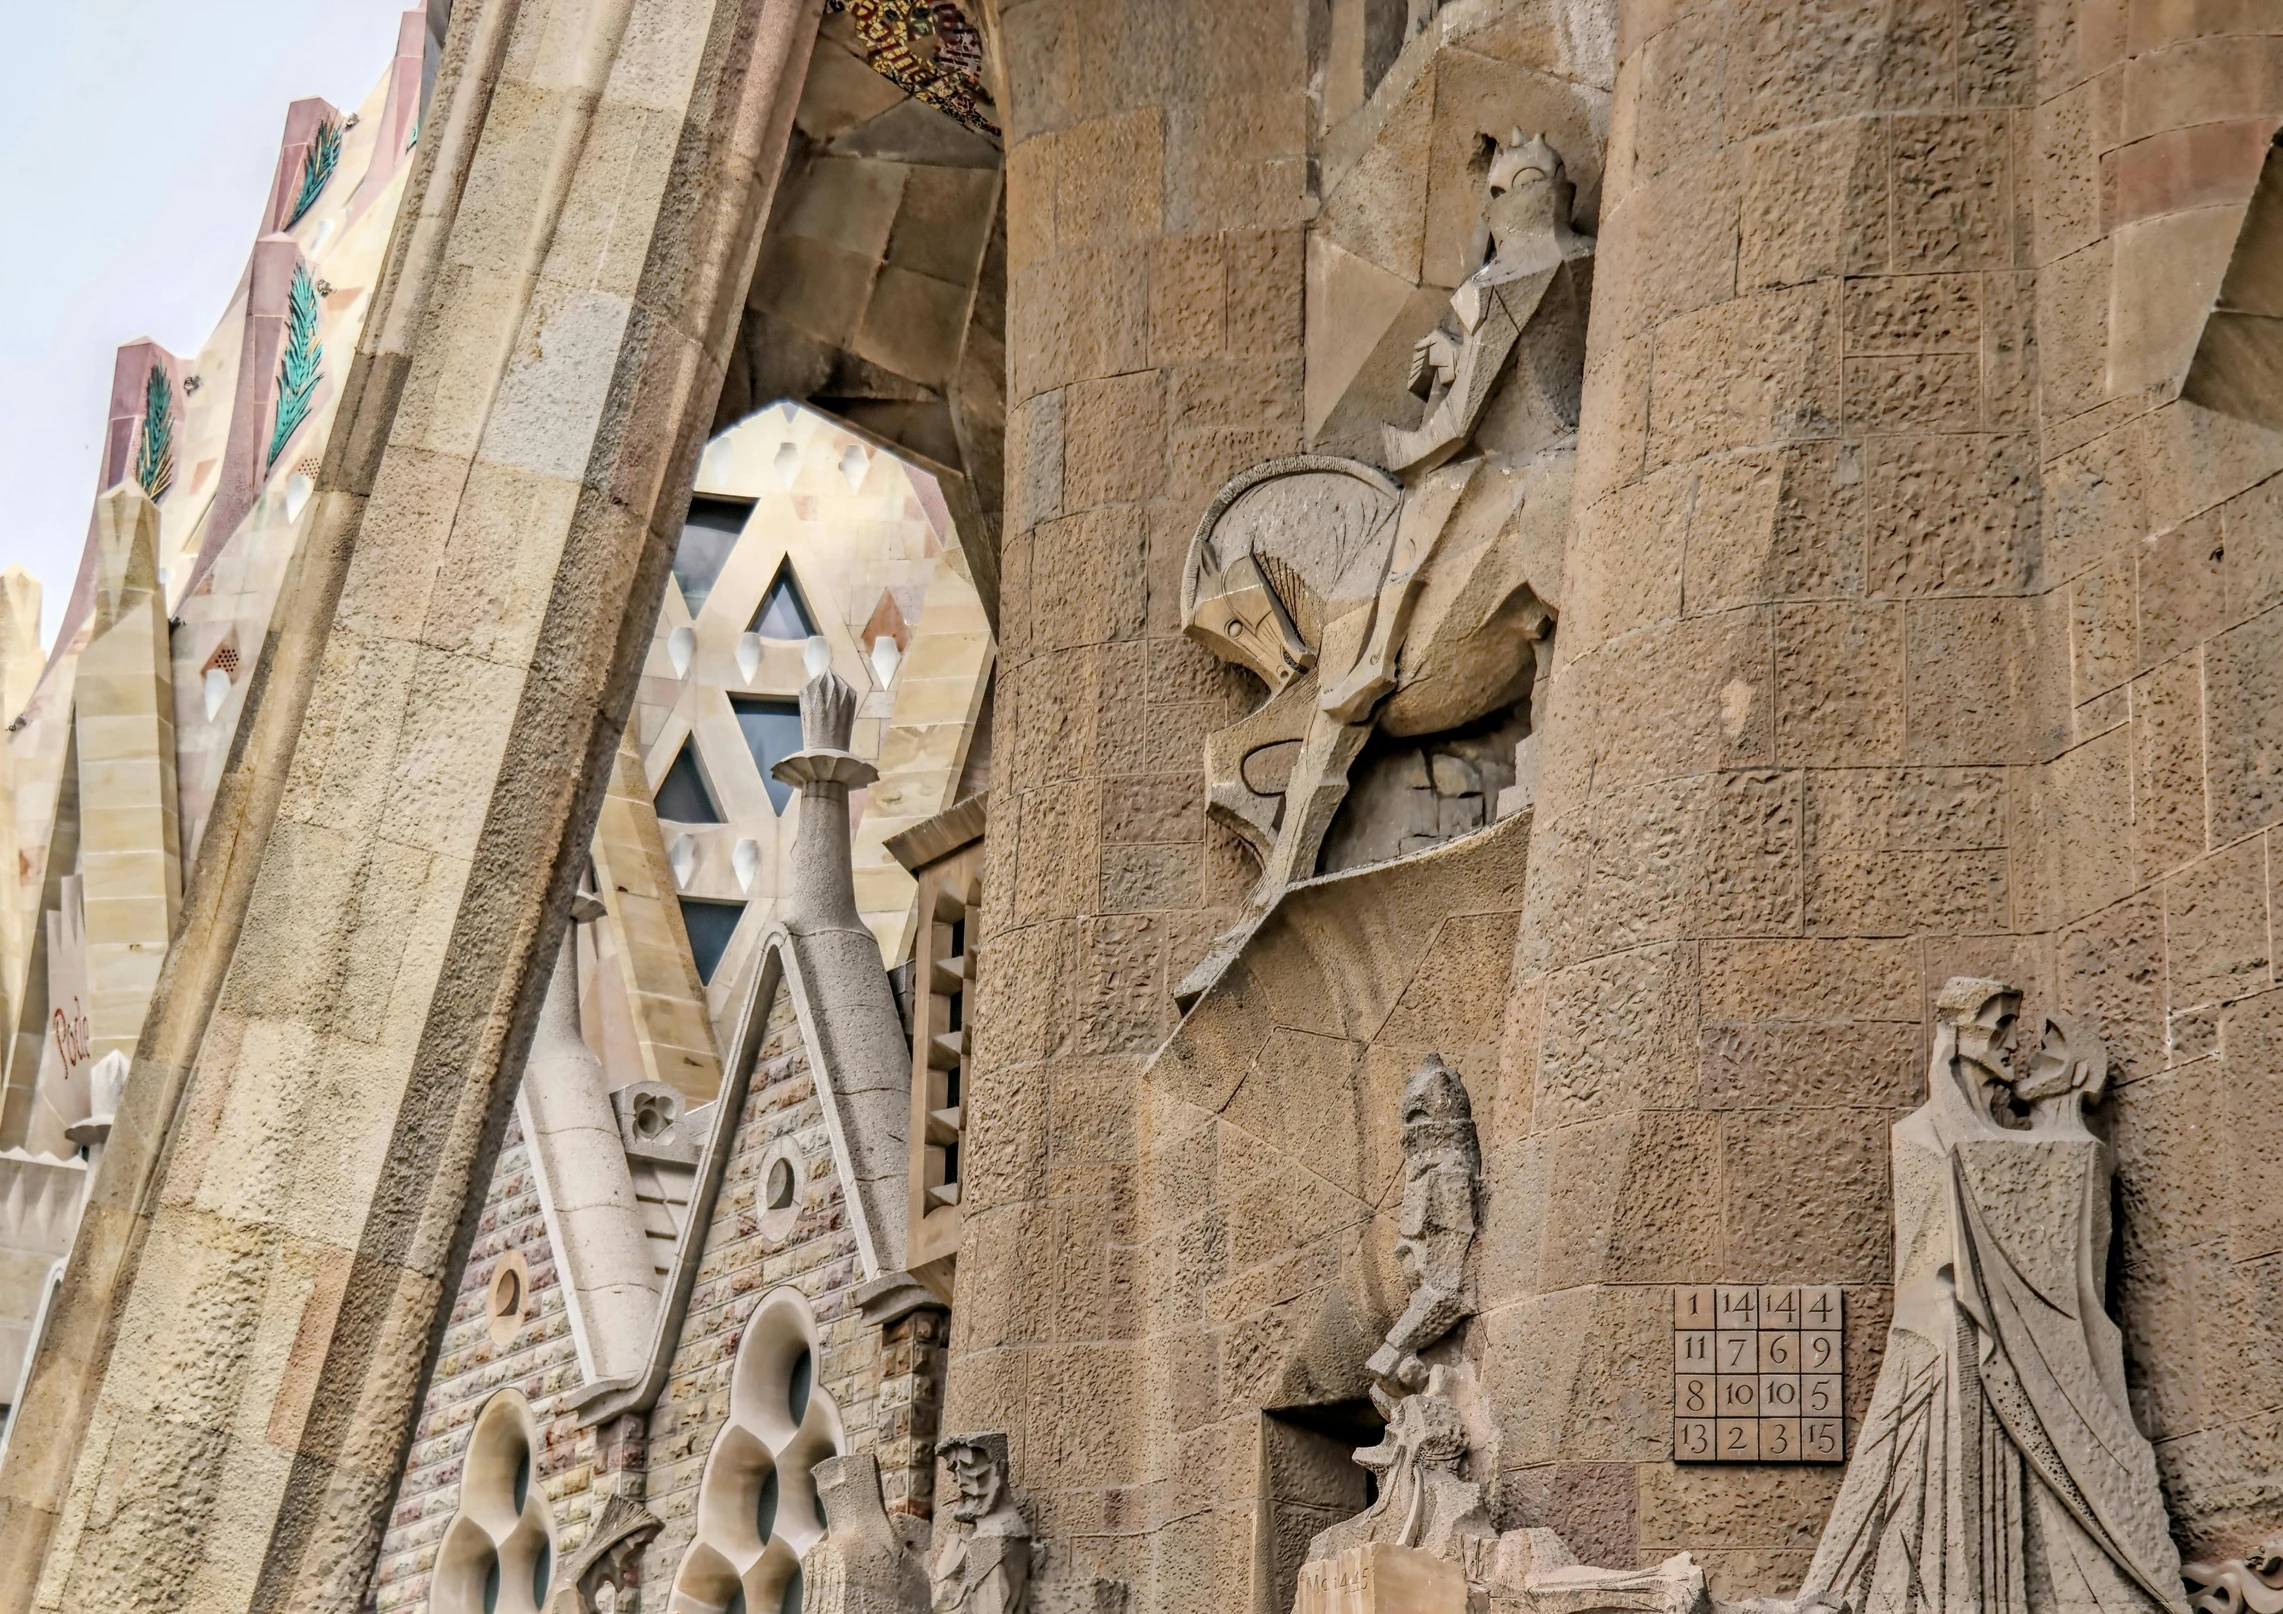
(316,168)
(298,371)
(154,457)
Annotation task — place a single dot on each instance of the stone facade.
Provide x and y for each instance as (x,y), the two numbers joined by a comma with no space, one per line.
(539,1360)
(742,1261)
(1625,658)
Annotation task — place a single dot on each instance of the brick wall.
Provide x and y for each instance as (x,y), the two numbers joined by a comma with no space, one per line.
(541,1361)
(739,1265)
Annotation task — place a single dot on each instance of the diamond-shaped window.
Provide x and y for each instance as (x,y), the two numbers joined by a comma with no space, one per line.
(709,533)
(710,925)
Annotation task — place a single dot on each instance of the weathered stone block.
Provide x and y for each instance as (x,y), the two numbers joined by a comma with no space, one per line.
(2243,679)
(1839,683)
(1378,1578)
(2168,767)
(1952,515)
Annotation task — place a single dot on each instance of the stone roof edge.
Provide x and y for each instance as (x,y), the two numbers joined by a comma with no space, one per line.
(542,1180)
(604,1399)
(933,839)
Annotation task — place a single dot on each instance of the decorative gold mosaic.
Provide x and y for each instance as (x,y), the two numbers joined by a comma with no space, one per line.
(928,49)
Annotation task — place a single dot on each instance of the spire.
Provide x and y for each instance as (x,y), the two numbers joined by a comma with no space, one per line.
(126,551)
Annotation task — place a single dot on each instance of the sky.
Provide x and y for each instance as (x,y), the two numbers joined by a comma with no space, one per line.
(135,154)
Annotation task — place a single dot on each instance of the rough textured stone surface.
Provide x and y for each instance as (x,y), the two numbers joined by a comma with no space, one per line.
(1917,617)
(360,984)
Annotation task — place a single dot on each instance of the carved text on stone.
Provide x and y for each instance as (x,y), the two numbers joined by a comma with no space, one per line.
(1757,1374)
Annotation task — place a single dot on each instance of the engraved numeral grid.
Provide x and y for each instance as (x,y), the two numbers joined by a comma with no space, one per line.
(1756,1374)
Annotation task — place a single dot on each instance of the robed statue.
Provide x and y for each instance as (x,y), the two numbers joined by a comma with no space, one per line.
(1999,1470)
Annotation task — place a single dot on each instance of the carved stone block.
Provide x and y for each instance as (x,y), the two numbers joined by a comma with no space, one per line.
(1757,1375)
(1381,1578)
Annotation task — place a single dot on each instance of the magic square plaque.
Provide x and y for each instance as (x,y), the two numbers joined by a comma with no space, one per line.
(1756,1374)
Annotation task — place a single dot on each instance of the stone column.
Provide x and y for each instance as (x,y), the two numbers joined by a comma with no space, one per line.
(1802,654)
(859,1035)
(1156,180)
(2160,823)
(130,835)
(219,1412)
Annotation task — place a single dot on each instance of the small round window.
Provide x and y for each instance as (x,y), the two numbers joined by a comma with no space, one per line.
(780,1183)
(505,1300)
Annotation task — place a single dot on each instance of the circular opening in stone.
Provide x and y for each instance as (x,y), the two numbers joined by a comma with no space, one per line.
(780,1184)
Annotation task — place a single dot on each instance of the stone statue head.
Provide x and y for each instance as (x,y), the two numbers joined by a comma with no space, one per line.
(1974,1024)
(2069,1070)
(1529,194)
(978,1465)
(1437,1113)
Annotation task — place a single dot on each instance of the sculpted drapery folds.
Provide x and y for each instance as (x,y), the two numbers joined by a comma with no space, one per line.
(1999,1468)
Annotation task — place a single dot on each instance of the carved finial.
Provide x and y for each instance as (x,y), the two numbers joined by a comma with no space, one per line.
(126,551)
(828,711)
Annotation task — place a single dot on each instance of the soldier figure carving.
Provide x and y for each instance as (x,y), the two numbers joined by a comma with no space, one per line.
(982,1558)
(1442,1166)
(1400,599)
